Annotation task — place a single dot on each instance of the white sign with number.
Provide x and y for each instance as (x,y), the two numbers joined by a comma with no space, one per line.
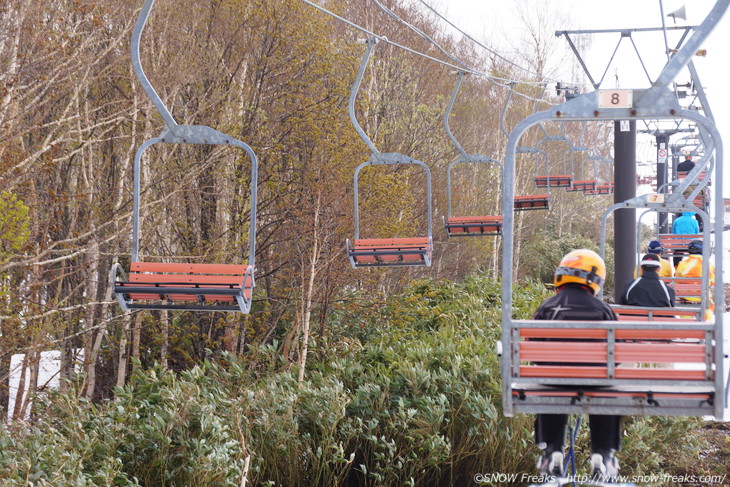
(615,98)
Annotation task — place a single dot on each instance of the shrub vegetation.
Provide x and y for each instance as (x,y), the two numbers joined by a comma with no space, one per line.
(406,393)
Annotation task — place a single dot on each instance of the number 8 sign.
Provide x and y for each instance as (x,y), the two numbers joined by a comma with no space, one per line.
(615,98)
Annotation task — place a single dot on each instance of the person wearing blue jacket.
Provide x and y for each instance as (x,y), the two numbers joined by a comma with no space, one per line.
(686,224)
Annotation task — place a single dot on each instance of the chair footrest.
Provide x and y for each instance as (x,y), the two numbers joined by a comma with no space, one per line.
(462,226)
(561,181)
(532,202)
(390,252)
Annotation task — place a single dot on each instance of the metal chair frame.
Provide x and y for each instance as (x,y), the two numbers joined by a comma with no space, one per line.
(173,133)
(481,225)
(378,158)
(633,396)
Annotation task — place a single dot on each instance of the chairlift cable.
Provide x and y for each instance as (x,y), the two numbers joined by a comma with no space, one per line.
(503,82)
(486,48)
(420,33)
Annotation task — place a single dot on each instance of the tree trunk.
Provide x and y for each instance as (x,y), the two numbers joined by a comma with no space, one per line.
(165,323)
(34,365)
(92,287)
(123,355)
(308,294)
(20,394)
(136,335)
(4,384)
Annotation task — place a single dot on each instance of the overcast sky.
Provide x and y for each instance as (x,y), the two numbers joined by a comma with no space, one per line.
(499,24)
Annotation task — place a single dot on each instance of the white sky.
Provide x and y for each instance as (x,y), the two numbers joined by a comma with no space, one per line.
(497,24)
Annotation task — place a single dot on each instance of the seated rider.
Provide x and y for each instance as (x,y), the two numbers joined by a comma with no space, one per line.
(686,165)
(666,269)
(648,290)
(578,279)
(691,266)
(686,224)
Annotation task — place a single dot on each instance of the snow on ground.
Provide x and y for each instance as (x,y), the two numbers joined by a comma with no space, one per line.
(48,375)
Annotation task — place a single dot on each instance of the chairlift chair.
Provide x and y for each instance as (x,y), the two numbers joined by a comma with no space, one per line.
(182,286)
(526,202)
(548,180)
(582,185)
(684,370)
(385,252)
(466,226)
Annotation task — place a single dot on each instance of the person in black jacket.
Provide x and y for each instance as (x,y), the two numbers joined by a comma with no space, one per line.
(578,279)
(686,165)
(648,290)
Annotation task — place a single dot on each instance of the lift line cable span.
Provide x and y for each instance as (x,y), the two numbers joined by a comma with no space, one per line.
(503,82)
(420,33)
(486,48)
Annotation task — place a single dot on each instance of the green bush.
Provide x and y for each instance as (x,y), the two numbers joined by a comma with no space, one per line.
(416,403)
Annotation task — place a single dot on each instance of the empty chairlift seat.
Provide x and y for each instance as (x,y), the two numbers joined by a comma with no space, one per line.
(194,287)
(373,252)
(532,202)
(645,180)
(463,226)
(562,181)
(600,189)
(583,186)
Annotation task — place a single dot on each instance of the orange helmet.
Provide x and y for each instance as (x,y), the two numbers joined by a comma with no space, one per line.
(581,266)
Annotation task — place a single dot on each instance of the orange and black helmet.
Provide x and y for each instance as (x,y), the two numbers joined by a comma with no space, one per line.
(581,266)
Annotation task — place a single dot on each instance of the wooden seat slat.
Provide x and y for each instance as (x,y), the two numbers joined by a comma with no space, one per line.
(170,281)
(578,333)
(392,243)
(183,268)
(593,372)
(558,371)
(536,197)
(237,281)
(558,181)
(660,353)
(634,334)
(475,219)
(573,352)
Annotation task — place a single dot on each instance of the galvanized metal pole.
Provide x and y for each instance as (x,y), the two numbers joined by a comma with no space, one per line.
(624,223)
(662,155)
